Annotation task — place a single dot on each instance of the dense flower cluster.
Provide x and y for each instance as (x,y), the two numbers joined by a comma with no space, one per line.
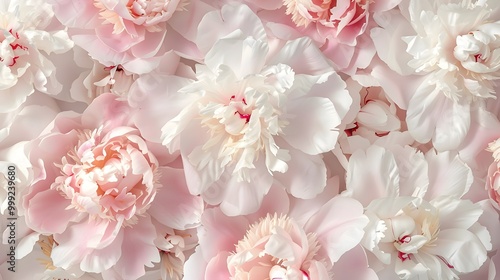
(250,140)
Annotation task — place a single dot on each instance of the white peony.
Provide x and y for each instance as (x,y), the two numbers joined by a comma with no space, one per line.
(260,114)
(24,36)
(420,227)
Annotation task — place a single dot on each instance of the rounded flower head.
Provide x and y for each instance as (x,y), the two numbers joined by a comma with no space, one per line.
(452,47)
(122,32)
(109,175)
(252,108)
(417,239)
(100,192)
(418,221)
(24,36)
(461,51)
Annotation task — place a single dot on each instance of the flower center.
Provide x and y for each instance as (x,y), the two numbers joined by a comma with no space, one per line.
(11,48)
(110,176)
(473,48)
(239,108)
(252,253)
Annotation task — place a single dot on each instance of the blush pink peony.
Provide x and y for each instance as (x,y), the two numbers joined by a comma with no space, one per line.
(94,192)
(135,34)
(280,241)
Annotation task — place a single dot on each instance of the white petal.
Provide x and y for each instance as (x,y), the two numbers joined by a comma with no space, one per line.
(460,248)
(313,125)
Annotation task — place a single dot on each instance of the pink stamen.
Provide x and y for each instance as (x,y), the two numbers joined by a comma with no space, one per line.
(17,46)
(477,57)
(15,35)
(405,239)
(381,134)
(243,116)
(403,256)
(350,131)
(446,262)
(14,61)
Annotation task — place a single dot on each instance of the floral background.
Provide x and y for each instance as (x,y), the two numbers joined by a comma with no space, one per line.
(250,139)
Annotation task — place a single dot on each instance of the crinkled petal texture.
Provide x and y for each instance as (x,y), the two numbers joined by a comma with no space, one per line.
(255,111)
(418,224)
(97,185)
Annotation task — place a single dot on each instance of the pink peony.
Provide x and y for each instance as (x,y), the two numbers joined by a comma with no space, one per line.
(300,240)
(135,34)
(94,192)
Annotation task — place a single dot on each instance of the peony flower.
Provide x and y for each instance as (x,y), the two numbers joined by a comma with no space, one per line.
(454,46)
(337,27)
(100,178)
(419,224)
(25,36)
(278,243)
(250,108)
(134,34)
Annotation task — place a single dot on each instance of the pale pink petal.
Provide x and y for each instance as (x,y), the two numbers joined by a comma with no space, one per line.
(372,174)
(157,102)
(188,22)
(305,177)
(174,206)
(243,198)
(342,233)
(73,241)
(106,109)
(244,57)
(220,232)
(138,249)
(354,265)
(218,24)
(388,42)
(76,13)
(42,209)
(455,213)
(275,201)
(217,267)
(314,125)
(103,259)
(303,56)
